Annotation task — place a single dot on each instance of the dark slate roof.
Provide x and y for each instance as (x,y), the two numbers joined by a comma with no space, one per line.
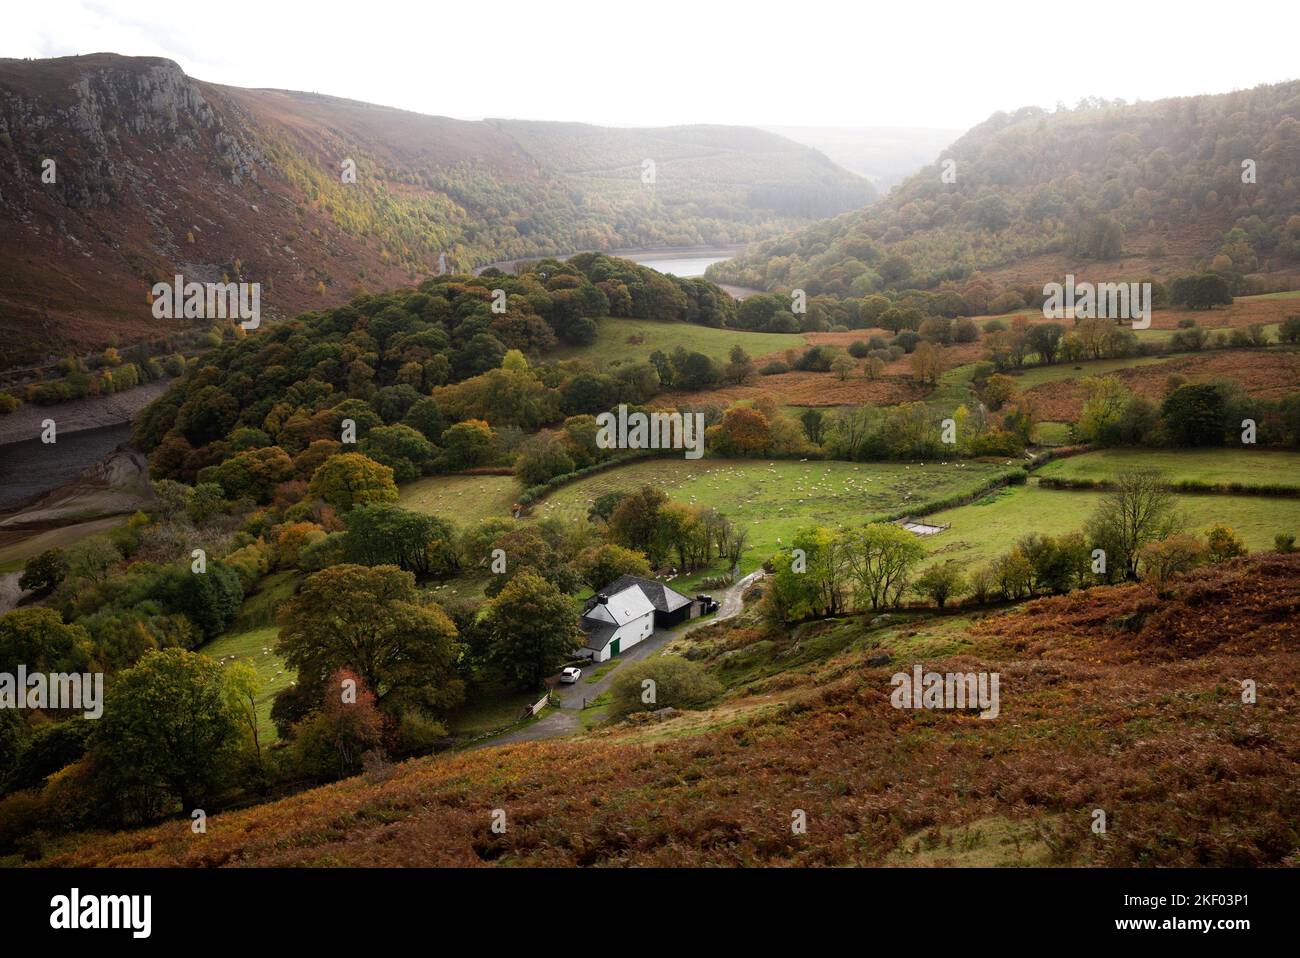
(598,633)
(661,596)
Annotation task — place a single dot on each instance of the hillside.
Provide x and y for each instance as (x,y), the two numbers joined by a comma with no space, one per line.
(884,155)
(1117,698)
(158,173)
(1106,190)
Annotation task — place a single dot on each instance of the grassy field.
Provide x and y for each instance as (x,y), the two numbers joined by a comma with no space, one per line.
(464,500)
(1245,466)
(256,647)
(1037,375)
(985,529)
(613,347)
(775,499)
(1052,433)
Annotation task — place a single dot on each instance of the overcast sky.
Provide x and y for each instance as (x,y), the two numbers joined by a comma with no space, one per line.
(648,62)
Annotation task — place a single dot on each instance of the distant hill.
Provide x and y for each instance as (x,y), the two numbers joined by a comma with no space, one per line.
(886,155)
(158,173)
(1105,189)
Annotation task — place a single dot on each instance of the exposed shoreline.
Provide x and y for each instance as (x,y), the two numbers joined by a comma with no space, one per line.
(93,412)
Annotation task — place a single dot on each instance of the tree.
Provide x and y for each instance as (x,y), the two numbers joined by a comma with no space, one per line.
(675,682)
(380,533)
(1045,339)
(39,639)
(466,445)
(941,582)
(745,431)
(635,522)
(532,630)
(209,599)
(400,447)
(427,418)
(880,557)
(814,425)
(541,458)
(350,479)
(331,742)
(1222,543)
(1138,511)
(1171,556)
(168,730)
(92,557)
(242,687)
(928,362)
(1201,291)
(44,571)
(843,366)
(600,565)
(370,619)
(1193,415)
(253,474)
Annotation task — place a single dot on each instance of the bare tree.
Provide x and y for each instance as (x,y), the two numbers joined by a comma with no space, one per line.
(1139,510)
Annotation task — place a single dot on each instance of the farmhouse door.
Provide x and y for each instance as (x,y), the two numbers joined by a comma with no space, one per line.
(613,648)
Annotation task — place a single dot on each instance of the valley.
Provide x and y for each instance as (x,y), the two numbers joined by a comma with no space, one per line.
(370,583)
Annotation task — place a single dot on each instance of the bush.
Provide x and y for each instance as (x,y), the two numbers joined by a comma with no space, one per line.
(774,368)
(1284,542)
(678,683)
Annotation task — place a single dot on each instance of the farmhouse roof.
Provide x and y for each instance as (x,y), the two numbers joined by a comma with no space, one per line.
(621,604)
(598,633)
(661,596)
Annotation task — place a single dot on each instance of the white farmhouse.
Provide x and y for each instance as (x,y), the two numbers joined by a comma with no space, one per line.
(615,623)
(628,610)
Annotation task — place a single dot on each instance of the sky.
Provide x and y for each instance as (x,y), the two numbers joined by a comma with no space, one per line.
(659,62)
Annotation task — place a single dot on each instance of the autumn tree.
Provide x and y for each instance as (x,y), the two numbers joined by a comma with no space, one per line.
(928,363)
(600,565)
(371,620)
(350,479)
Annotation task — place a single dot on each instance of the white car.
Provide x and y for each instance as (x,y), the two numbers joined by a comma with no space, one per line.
(570,675)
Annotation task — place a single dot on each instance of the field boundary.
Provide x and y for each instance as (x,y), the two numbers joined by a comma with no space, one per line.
(1189,486)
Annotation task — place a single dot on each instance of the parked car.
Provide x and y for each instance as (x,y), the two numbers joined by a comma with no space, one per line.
(570,675)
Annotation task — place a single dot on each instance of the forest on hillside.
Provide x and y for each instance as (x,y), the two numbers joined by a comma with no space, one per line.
(1163,181)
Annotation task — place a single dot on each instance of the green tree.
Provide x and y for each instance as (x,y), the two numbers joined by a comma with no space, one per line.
(168,729)
(532,629)
(940,583)
(880,557)
(370,619)
(39,639)
(44,571)
(385,534)
(1139,510)
(1193,415)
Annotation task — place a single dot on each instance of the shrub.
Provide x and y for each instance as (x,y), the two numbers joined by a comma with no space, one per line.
(677,682)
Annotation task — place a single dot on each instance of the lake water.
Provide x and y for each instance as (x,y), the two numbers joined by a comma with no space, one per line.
(684,266)
(31,466)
